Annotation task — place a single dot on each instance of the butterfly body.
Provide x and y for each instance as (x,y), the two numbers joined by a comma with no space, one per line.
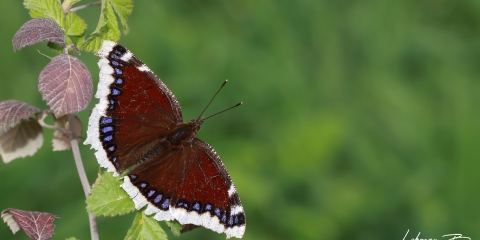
(138,125)
(184,133)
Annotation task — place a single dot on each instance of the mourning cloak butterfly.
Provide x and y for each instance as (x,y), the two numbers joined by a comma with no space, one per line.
(138,122)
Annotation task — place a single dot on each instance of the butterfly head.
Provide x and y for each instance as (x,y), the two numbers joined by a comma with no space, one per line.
(197,123)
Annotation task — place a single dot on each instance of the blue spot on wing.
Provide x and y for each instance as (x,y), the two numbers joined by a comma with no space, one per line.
(118,71)
(150,193)
(166,203)
(208,207)
(196,206)
(107,129)
(112,104)
(115,63)
(223,219)
(115,92)
(158,198)
(106,120)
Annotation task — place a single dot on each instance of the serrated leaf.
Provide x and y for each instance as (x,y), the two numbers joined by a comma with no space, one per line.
(123,8)
(107,29)
(12,112)
(55,47)
(10,221)
(50,9)
(175,227)
(38,30)
(75,26)
(61,141)
(37,225)
(108,198)
(145,227)
(66,85)
(21,141)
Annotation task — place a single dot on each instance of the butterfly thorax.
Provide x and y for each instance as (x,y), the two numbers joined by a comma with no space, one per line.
(184,132)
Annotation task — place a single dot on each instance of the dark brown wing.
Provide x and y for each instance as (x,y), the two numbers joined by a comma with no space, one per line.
(135,111)
(190,185)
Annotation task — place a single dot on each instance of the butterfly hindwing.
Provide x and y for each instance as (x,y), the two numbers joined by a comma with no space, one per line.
(196,186)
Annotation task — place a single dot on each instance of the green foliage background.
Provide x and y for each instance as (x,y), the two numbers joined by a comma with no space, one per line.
(361,118)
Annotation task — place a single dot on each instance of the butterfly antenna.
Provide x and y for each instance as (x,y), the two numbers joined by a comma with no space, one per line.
(238,104)
(223,84)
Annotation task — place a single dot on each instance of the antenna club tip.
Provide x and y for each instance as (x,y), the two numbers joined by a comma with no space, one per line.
(240,103)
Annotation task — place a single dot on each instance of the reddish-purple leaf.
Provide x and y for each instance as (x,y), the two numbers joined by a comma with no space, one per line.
(21,141)
(12,111)
(37,225)
(38,30)
(61,140)
(66,85)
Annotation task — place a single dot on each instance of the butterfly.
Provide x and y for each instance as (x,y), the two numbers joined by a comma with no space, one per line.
(138,126)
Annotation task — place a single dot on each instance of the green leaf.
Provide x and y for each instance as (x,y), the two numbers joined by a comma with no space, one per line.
(46,9)
(175,226)
(145,227)
(107,29)
(123,8)
(67,4)
(74,25)
(108,198)
(55,47)
(77,40)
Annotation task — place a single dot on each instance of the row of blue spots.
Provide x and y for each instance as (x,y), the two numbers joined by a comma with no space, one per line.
(232,220)
(151,192)
(236,219)
(158,198)
(115,55)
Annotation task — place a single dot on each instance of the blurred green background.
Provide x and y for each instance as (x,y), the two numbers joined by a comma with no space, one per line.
(361,118)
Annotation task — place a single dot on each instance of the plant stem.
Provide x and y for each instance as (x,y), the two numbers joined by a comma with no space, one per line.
(99,3)
(81,172)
